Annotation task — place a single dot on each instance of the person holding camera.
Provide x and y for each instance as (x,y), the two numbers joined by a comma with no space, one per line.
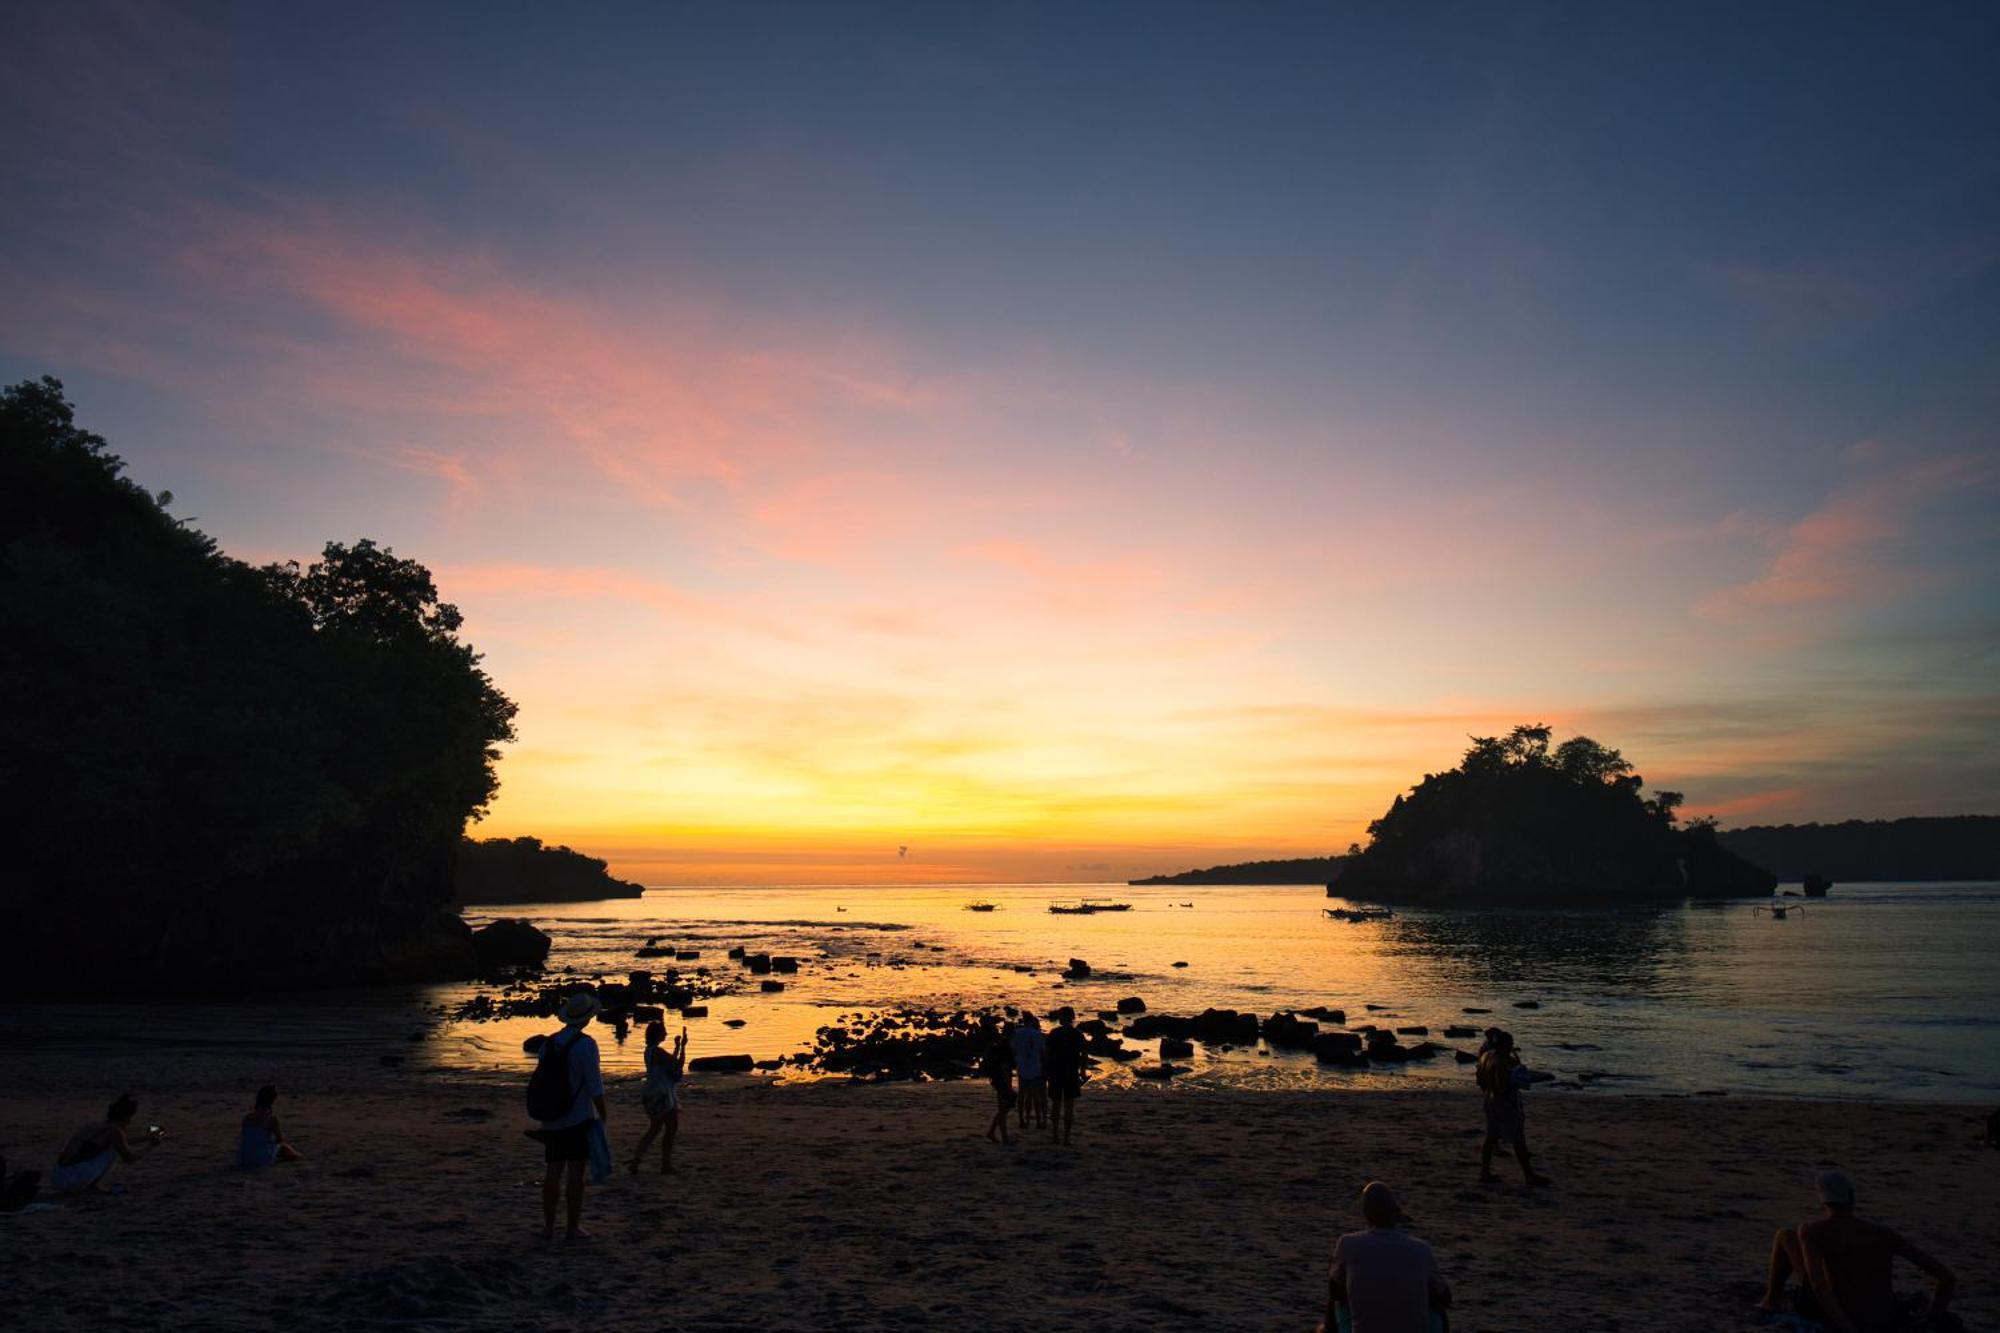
(93,1150)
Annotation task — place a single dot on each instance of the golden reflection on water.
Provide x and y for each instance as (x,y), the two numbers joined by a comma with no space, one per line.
(1674,998)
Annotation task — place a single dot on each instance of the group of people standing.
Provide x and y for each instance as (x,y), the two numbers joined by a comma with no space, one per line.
(1049,1068)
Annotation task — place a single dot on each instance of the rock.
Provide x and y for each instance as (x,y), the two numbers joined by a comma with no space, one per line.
(1131,1004)
(1465,1057)
(1415,1030)
(779,963)
(1289,1032)
(1424,1050)
(1527,1004)
(1180,964)
(686,955)
(1338,1048)
(1148,1026)
(1160,1071)
(1110,1016)
(678,997)
(648,1013)
(1337,1017)
(758,963)
(721,1064)
(1216,1026)
(1816,886)
(653,951)
(1094,1027)
(1471,1010)
(695,1011)
(510,942)
(733,1022)
(640,984)
(1078,970)
(770,987)
(770,1064)
(737,952)
(1459,1030)
(1175,1048)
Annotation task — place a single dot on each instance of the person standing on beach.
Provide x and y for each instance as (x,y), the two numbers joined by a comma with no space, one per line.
(91,1152)
(1501,1078)
(1028,1047)
(1844,1265)
(662,1095)
(997,1065)
(1062,1070)
(571,1057)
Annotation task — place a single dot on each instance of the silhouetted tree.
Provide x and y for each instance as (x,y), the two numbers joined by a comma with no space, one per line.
(264,771)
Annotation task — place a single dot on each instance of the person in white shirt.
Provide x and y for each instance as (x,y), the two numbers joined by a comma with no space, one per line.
(567,1138)
(1384,1280)
(1028,1046)
(661,1096)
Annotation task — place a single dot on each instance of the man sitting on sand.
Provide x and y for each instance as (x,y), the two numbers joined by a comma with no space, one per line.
(1062,1071)
(1384,1280)
(1844,1265)
(93,1150)
(263,1139)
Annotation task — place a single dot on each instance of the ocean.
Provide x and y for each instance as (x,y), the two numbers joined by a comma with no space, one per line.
(1881,991)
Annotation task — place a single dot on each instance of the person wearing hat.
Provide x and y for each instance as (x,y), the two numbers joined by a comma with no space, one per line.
(1384,1280)
(566,1139)
(1844,1266)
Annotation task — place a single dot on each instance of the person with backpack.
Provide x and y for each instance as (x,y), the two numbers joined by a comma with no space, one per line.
(566,1093)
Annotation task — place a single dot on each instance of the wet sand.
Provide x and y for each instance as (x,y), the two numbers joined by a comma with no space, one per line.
(842,1206)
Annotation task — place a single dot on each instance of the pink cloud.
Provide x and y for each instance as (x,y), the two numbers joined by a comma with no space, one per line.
(1844,552)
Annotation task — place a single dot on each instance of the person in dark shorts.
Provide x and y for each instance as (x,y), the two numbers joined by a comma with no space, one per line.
(566,1139)
(1501,1078)
(1062,1066)
(1844,1269)
(997,1068)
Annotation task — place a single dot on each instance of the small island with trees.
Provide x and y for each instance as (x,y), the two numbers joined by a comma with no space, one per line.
(504,871)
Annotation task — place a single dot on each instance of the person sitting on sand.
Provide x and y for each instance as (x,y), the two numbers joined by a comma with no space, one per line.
(93,1150)
(566,1138)
(1384,1280)
(661,1097)
(1062,1071)
(997,1068)
(1028,1046)
(1843,1265)
(263,1140)
(1501,1080)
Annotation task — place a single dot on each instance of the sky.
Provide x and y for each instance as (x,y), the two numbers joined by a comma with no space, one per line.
(1069,442)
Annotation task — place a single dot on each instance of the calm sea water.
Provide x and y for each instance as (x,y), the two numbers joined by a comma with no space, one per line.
(1880,991)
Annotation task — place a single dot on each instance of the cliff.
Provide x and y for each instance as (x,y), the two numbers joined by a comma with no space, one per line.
(1952,847)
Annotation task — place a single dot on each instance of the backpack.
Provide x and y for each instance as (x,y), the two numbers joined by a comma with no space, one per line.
(550,1093)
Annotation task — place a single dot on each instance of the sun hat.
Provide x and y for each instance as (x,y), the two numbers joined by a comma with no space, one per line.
(578,1008)
(1835,1189)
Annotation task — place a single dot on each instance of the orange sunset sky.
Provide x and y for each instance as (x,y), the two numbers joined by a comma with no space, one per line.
(1069,451)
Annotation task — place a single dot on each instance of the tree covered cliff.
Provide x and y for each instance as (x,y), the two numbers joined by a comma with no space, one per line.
(1520,822)
(220,773)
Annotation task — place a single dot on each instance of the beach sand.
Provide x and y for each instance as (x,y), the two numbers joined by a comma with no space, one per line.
(843,1206)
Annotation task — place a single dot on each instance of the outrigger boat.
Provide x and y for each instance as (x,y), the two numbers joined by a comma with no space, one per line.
(981,907)
(1088,907)
(1358,913)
